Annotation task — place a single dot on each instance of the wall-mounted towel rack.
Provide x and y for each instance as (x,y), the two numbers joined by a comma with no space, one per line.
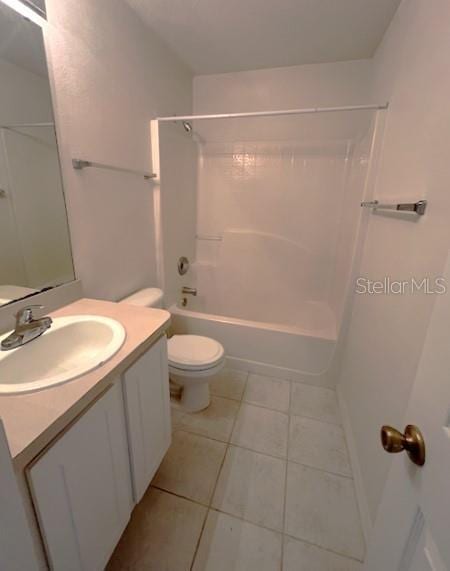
(80,164)
(418,207)
(26,125)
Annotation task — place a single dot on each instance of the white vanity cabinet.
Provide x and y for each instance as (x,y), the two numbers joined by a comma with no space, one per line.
(81,487)
(147,406)
(85,484)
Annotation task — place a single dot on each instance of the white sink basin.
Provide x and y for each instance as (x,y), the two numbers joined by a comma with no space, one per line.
(72,346)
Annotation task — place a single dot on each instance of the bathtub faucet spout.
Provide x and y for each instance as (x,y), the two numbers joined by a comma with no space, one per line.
(189,290)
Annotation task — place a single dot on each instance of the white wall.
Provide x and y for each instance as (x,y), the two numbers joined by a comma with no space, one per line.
(344,83)
(111,76)
(387,332)
(24,97)
(315,85)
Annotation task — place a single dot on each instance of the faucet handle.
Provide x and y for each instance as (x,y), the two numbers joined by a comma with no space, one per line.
(25,315)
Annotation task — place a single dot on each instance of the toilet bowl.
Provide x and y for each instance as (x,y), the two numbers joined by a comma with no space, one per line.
(193,359)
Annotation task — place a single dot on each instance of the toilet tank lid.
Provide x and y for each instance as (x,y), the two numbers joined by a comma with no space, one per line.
(148,297)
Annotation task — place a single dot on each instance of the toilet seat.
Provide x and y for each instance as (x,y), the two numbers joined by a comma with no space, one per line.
(194,353)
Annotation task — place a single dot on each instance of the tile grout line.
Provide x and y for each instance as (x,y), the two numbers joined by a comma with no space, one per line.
(286,460)
(221,510)
(246,520)
(339,425)
(231,444)
(293,413)
(289,380)
(320,469)
(208,507)
(197,502)
(227,447)
(327,549)
(289,413)
(272,530)
(282,458)
(190,430)
(251,403)
(199,539)
(285,478)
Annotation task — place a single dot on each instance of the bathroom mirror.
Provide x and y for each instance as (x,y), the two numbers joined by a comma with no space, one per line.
(35,252)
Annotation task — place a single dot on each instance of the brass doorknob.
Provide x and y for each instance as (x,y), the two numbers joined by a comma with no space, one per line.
(412,441)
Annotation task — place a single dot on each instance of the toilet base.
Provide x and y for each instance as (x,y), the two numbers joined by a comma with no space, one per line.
(195,398)
(194,386)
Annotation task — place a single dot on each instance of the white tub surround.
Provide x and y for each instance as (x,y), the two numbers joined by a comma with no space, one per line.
(282,164)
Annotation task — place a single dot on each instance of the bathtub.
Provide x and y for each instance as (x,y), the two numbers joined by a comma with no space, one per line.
(285,350)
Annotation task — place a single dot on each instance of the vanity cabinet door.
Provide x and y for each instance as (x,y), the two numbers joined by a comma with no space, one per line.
(147,405)
(81,488)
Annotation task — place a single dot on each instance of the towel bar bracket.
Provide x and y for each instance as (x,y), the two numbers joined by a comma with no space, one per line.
(418,207)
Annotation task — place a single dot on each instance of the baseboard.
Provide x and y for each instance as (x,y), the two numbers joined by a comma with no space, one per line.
(322,379)
(361,497)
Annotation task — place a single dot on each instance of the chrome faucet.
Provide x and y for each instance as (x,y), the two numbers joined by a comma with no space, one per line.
(27,328)
(189,290)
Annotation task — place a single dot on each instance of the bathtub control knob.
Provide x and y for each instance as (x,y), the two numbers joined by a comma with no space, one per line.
(183,265)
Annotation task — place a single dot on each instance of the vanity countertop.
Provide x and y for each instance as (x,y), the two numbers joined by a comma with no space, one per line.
(33,420)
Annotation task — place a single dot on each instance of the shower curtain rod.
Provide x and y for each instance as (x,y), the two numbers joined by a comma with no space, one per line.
(279,112)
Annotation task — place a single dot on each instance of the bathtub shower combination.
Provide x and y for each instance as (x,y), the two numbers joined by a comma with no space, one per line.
(267,209)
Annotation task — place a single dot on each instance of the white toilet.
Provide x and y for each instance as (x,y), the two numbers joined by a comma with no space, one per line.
(193,360)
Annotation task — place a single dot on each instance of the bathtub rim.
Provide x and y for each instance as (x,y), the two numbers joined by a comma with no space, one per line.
(268,326)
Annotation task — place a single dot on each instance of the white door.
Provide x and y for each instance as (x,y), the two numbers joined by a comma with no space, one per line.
(82,490)
(147,405)
(412,529)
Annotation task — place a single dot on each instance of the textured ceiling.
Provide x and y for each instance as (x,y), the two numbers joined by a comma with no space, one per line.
(216,36)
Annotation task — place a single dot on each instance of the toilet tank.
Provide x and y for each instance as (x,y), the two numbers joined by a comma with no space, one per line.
(148,297)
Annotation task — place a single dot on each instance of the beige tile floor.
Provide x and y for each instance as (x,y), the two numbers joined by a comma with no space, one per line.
(260,480)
